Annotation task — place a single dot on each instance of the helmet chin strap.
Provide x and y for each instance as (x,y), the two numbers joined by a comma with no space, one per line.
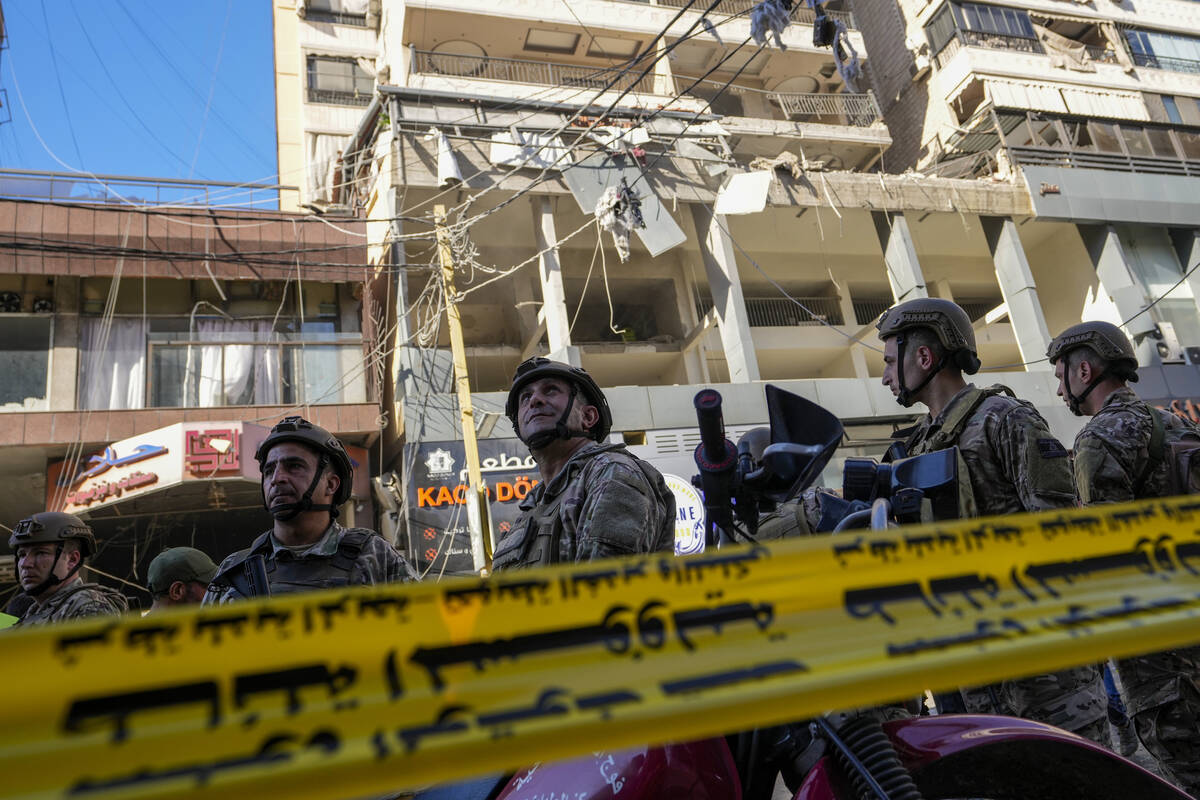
(906,397)
(1075,401)
(285,512)
(51,578)
(543,438)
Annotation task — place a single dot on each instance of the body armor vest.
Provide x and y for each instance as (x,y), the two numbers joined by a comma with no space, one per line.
(287,574)
(538,542)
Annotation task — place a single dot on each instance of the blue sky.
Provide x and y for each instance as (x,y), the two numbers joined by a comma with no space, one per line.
(157,88)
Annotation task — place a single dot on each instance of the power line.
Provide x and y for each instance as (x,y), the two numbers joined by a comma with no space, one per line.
(211,86)
(58,79)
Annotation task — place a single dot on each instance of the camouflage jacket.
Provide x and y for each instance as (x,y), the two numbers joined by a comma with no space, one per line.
(604,502)
(1015,463)
(74,600)
(1112,451)
(1111,455)
(365,558)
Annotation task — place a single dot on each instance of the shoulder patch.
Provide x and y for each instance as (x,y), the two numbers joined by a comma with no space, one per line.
(1051,448)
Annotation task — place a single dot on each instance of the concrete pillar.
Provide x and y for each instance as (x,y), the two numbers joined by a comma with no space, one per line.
(942,285)
(1118,281)
(664,80)
(899,256)
(1019,290)
(693,358)
(720,265)
(554,302)
(64,347)
(1186,242)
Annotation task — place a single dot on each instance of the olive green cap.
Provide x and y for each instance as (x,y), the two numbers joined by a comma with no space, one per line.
(179,564)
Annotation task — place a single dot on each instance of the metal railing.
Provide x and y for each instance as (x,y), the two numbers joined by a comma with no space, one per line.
(1166,62)
(859,110)
(977,309)
(867,311)
(1155,165)
(339,97)
(336,17)
(769,312)
(800,13)
(1021,44)
(67,186)
(514,70)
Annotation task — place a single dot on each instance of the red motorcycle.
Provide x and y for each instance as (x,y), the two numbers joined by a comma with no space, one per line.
(845,755)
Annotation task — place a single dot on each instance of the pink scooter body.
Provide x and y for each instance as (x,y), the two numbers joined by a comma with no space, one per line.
(950,756)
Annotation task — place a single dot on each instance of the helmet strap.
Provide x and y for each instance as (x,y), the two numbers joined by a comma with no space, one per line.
(539,440)
(285,512)
(906,397)
(51,579)
(1075,401)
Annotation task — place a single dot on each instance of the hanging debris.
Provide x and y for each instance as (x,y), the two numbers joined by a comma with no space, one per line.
(619,211)
(770,17)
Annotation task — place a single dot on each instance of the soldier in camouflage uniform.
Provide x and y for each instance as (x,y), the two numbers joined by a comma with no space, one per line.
(1014,463)
(1116,462)
(595,500)
(306,476)
(50,548)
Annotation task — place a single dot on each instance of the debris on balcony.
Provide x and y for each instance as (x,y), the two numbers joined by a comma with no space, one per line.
(449,173)
(745,193)
(786,161)
(525,149)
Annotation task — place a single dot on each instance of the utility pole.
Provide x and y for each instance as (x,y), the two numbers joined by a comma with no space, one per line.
(477,504)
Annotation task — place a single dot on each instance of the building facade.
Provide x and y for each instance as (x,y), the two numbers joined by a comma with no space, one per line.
(781,215)
(146,352)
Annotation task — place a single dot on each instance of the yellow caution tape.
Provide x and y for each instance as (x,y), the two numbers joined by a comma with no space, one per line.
(352,693)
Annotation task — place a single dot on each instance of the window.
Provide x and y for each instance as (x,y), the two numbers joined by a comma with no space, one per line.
(1190,142)
(24,362)
(339,80)
(1136,143)
(1160,142)
(1172,109)
(612,47)
(1104,136)
(940,30)
(1164,50)
(995,20)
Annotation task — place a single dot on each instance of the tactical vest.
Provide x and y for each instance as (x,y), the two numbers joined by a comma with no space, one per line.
(1180,451)
(950,431)
(287,574)
(537,542)
(37,614)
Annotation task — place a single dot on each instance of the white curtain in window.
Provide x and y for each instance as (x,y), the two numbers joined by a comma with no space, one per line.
(323,151)
(112,375)
(230,371)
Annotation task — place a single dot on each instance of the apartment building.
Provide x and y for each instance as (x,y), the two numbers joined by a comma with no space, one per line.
(781,217)
(147,351)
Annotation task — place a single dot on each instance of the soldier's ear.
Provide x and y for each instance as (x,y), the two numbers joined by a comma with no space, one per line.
(590,416)
(1086,373)
(177,590)
(333,481)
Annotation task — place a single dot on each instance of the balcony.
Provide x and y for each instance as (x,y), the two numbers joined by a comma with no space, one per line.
(1079,159)
(1020,44)
(543,73)
(800,13)
(1167,63)
(781,312)
(339,97)
(336,17)
(858,110)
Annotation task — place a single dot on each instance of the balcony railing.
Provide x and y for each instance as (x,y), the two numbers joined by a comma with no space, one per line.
(867,311)
(36,185)
(1048,157)
(1020,44)
(859,110)
(1166,62)
(537,72)
(800,13)
(339,97)
(336,17)
(768,312)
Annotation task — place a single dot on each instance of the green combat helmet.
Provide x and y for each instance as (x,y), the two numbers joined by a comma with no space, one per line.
(56,528)
(330,452)
(578,379)
(1109,342)
(949,323)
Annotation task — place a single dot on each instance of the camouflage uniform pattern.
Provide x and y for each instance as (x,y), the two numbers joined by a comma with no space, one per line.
(1016,464)
(74,601)
(1162,690)
(377,562)
(605,502)
(796,517)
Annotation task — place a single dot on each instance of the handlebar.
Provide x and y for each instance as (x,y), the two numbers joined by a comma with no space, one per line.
(712,427)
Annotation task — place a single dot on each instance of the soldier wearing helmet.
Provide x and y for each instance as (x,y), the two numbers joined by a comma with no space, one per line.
(1119,456)
(306,477)
(1014,464)
(595,499)
(51,548)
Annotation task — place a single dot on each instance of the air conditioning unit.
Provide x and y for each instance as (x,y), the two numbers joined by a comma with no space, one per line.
(1169,348)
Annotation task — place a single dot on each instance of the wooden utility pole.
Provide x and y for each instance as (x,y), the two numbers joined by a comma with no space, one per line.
(477,503)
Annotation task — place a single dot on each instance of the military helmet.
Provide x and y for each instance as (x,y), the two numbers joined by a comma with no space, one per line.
(536,368)
(946,319)
(53,527)
(1107,340)
(328,446)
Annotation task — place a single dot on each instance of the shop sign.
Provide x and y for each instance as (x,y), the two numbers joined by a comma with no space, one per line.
(437,495)
(213,450)
(123,469)
(689,516)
